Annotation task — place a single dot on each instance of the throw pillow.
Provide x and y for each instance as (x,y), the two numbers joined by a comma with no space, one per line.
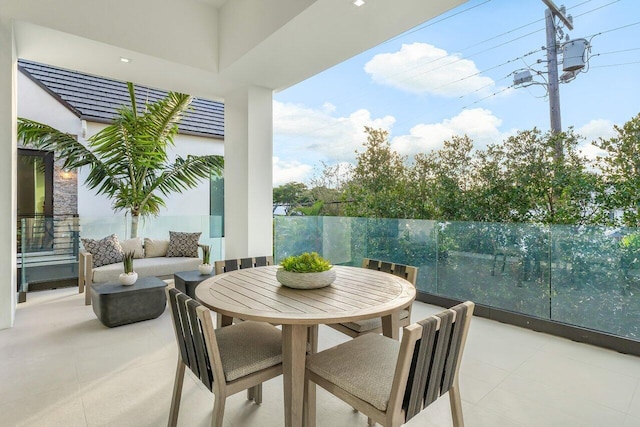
(154,248)
(133,245)
(183,244)
(105,251)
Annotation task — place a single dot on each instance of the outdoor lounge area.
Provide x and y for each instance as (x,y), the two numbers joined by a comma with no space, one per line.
(61,367)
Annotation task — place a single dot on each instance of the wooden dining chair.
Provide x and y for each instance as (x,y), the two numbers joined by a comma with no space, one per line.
(227,361)
(361,327)
(235,264)
(392,381)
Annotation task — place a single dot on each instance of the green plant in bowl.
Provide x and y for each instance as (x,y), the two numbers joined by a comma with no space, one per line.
(305,271)
(307,262)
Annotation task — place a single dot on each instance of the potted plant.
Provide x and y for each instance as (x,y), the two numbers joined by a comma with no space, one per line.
(129,276)
(205,267)
(306,271)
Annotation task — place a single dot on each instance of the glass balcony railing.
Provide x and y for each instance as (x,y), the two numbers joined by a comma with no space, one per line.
(48,248)
(582,276)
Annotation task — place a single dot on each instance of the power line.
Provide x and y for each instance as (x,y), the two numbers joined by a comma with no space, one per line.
(429,24)
(615,65)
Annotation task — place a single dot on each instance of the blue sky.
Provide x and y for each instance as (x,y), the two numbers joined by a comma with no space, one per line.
(453,76)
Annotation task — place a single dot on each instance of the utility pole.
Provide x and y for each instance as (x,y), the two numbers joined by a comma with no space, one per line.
(553,84)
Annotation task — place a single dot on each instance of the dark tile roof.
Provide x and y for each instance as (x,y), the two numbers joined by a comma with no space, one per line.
(97,99)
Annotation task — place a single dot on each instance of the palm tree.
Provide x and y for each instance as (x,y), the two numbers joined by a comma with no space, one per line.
(128,159)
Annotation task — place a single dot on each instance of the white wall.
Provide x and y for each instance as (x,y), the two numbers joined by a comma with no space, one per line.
(8,155)
(36,104)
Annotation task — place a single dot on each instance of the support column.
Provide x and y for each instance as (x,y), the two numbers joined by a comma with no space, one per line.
(248,188)
(8,159)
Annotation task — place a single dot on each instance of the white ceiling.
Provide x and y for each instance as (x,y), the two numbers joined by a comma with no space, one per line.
(208,48)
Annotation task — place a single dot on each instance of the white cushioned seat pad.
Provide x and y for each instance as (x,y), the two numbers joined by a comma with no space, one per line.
(364,367)
(145,267)
(248,347)
(370,324)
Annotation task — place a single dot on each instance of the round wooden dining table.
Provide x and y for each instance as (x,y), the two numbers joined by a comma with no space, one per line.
(255,294)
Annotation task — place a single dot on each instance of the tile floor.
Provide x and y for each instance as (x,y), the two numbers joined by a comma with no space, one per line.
(60,367)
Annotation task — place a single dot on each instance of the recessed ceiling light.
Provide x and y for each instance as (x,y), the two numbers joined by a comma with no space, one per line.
(125,60)
(358,2)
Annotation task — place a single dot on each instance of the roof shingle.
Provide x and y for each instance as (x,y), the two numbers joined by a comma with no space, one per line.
(97,99)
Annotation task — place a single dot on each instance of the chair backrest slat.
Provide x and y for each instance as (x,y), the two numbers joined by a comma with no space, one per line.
(200,347)
(454,350)
(188,337)
(230,265)
(435,359)
(439,357)
(177,325)
(386,267)
(246,263)
(419,372)
(261,261)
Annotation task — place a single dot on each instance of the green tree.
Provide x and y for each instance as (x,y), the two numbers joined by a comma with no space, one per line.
(443,181)
(525,180)
(292,195)
(621,170)
(377,188)
(128,159)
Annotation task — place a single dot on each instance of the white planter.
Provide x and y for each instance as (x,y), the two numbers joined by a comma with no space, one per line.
(294,280)
(128,279)
(205,268)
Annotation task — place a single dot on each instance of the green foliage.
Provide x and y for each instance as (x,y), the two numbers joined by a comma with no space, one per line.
(621,170)
(377,188)
(127,261)
(206,254)
(307,262)
(128,159)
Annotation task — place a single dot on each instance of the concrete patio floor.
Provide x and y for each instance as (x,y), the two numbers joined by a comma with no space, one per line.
(59,366)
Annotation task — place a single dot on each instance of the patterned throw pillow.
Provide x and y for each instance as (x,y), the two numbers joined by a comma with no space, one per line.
(183,244)
(104,251)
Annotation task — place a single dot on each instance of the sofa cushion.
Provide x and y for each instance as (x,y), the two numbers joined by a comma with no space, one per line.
(183,244)
(104,251)
(155,248)
(133,245)
(159,266)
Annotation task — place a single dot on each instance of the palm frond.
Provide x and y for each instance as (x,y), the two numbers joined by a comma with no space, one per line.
(65,146)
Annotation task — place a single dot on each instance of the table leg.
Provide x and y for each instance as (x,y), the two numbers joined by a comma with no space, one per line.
(222,320)
(309,419)
(391,326)
(294,349)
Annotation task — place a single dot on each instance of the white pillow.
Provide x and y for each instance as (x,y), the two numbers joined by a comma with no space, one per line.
(133,245)
(155,248)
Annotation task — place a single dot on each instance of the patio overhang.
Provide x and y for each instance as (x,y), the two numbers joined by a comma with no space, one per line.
(237,52)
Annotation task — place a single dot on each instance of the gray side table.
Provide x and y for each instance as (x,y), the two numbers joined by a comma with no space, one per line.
(187,281)
(115,304)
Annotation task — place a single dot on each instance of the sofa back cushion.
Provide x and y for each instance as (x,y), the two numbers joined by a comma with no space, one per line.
(154,248)
(104,251)
(133,245)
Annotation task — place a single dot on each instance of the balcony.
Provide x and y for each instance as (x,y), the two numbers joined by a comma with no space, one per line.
(61,367)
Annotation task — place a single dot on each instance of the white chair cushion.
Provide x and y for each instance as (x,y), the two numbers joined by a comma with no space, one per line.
(364,367)
(145,267)
(248,347)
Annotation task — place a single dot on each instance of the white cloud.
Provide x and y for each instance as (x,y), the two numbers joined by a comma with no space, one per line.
(303,131)
(424,68)
(284,171)
(593,131)
(478,123)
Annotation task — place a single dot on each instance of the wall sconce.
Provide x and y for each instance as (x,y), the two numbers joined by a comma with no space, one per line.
(66,174)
